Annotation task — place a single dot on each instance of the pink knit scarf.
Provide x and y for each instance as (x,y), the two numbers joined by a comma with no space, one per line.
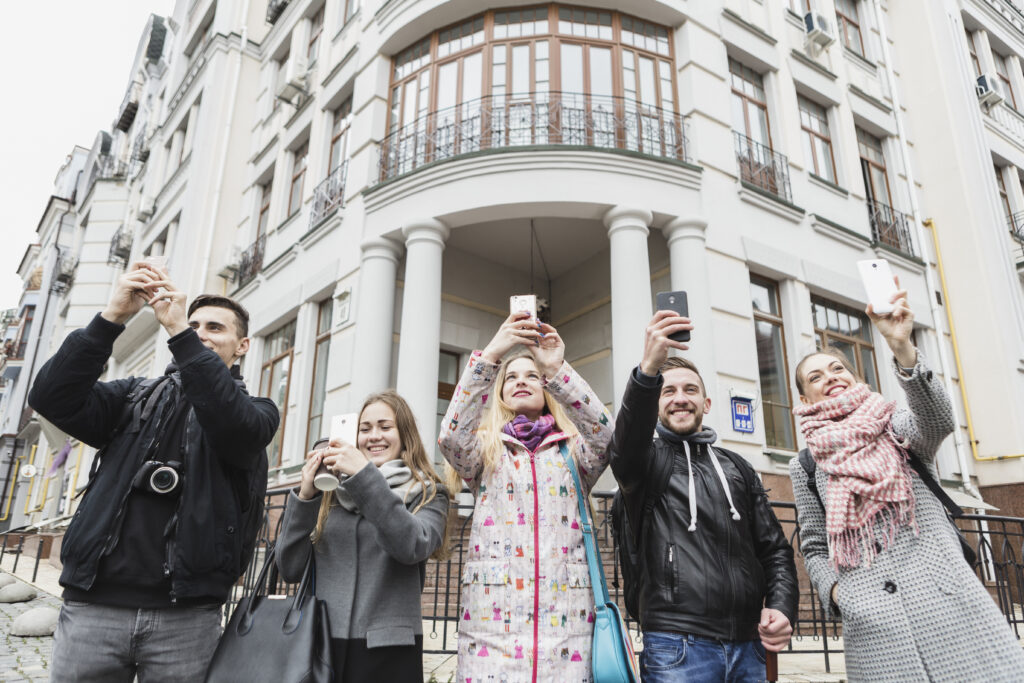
(869,484)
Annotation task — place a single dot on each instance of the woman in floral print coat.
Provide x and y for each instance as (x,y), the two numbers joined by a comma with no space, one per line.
(527,608)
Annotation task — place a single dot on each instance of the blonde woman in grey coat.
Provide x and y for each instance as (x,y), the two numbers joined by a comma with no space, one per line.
(878,545)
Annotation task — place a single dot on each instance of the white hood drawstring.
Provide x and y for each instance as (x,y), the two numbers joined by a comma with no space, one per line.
(692,489)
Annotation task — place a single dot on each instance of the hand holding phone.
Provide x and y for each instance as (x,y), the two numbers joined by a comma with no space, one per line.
(879,284)
(676,302)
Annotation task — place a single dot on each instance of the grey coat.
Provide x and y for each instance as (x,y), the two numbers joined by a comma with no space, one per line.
(369,566)
(918,613)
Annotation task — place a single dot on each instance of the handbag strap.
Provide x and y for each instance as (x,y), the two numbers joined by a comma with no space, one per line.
(935,487)
(597,580)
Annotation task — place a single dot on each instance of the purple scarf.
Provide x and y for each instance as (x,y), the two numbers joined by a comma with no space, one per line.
(530,434)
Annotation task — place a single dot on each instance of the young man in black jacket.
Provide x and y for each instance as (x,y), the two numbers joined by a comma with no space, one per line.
(718,584)
(170,515)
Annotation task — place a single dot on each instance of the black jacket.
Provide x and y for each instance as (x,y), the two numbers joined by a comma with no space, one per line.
(220,506)
(713,581)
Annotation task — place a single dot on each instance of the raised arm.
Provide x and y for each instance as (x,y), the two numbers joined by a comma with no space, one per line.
(810,515)
(458,441)
(408,537)
(629,451)
(590,417)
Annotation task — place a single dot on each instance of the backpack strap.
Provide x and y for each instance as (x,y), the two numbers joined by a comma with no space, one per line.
(810,467)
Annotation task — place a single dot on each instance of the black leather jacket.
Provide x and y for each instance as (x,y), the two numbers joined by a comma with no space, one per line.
(713,581)
(220,506)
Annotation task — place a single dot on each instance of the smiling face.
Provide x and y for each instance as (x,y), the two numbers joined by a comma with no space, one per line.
(218,332)
(378,436)
(682,404)
(522,390)
(823,376)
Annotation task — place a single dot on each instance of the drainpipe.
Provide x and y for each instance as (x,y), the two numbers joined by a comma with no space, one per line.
(933,305)
(224,147)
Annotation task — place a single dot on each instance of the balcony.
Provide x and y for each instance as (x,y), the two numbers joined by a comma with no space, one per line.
(251,261)
(890,227)
(328,195)
(64,276)
(14,350)
(543,118)
(12,357)
(762,167)
(1015,222)
(274,9)
(129,107)
(107,168)
(120,247)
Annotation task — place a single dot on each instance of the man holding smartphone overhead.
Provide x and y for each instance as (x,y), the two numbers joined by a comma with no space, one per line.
(717,582)
(175,496)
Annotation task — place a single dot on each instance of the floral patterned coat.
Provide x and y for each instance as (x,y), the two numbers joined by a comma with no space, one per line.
(527,607)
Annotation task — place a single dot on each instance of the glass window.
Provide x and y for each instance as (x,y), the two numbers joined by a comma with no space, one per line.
(750,104)
(848,21)
(872,162)
(973,52)
(461,37)
(264,217)
(770,338)
(852,337)
(1003,196)
(316,28)
(339,135)
(275,379)
(645,36)
(817,139)
(1002,68)
(298,176)
(351,6)
(585,23)
(447,378)
(520,23)
(315,426)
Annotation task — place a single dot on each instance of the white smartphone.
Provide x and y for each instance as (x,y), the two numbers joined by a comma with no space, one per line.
(878,284)
(345,427)
(157,261)
(523,302)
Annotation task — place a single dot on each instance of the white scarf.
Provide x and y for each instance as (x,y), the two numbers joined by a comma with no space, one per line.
(399,478)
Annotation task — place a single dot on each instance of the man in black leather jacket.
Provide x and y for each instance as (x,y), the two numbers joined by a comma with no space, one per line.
(169,519)
(718,584)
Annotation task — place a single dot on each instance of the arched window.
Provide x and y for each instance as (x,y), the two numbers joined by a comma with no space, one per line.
(533,76)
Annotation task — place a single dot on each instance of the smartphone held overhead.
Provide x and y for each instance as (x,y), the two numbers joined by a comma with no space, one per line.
(675,301)
(518,303)
(879,284)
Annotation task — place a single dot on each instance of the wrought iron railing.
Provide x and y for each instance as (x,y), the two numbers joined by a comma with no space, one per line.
(762,167)
(274,9)
(538,118)
(250,262)
(120,247)
(14,351)
(1015,221)
(890,227)
(64,275)
(329,194)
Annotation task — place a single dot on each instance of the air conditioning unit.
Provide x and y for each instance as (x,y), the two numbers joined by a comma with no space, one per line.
(989,90)
(231,263)
(294,81)
(147,205)
(816,30)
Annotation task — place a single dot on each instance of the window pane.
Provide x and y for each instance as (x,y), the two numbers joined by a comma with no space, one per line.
(601,72)
(448,368)
(867,358)
(316,407)
(572,68)
(521,69)
(771,363)
(763,298)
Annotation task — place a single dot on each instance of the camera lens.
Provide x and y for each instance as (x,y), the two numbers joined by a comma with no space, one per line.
(163,480)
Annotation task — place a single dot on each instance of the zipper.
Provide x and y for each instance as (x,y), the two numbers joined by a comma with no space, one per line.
(171,545)
(536,567)
(671,572)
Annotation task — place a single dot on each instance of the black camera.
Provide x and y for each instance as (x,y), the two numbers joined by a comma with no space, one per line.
(154,476)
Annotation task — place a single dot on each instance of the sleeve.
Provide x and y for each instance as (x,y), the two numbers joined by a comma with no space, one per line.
(775,554)
(293,543)
(630,446)
(407,537)
(813,538)
(458,440)
(929,419)
(67,390)
(237,425)
(591,418)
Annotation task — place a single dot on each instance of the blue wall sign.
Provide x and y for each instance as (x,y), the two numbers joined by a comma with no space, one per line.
(742,415)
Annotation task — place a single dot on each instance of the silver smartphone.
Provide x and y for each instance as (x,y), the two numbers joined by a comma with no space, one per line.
(879,284)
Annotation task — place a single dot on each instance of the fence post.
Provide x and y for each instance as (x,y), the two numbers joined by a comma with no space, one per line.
(39,553)
(17,556)
(3,548)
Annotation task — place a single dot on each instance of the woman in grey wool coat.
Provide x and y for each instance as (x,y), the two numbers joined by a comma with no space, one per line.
(372,537)
(878,545)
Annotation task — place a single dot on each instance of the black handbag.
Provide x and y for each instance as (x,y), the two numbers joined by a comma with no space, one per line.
(283,639)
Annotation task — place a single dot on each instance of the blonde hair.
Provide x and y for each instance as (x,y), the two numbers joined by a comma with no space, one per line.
(413,454)
(499,415)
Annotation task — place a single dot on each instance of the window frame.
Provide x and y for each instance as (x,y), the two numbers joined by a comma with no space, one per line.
(300,158)
(322,339)
(845,22)
(1003,73)
(267,367)
(823,337)
(776,320)
(812,134)
(972,51)
(316,29)
(341,125)
(263,214)
(1003,194)
(867,163)
(742,72)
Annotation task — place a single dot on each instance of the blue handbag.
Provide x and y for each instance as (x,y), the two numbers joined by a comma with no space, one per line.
(611,655)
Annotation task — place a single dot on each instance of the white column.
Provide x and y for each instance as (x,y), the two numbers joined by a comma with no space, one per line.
(420,341)
(689,273)
(631,290)
(375,318)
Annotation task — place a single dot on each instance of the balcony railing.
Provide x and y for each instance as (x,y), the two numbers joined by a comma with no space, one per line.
(329,194)
(64,275)
(890,227)
(14,351)
(274,9)
(762,167)
(120,247)
(129,107)
(107,168)
(251,261)
(541,118)
(1015,221)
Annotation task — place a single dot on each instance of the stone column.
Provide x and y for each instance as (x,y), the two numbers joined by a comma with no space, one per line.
(689,272)
(631,290)
(420,341)
(375,316)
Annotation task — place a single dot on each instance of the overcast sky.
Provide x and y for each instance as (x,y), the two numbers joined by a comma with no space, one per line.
(65,72)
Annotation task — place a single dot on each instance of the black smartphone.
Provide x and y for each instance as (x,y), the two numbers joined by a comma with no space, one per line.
(675,301)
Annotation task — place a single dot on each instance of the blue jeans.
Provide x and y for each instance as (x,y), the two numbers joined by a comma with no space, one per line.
(101,644)
(675,658)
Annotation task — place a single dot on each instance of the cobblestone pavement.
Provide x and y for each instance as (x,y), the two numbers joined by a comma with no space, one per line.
(24,659)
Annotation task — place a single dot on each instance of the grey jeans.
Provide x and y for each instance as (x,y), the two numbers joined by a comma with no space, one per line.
(111,644)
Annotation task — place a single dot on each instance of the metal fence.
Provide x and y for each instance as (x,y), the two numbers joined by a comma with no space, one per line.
(762,167)
(890,227)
